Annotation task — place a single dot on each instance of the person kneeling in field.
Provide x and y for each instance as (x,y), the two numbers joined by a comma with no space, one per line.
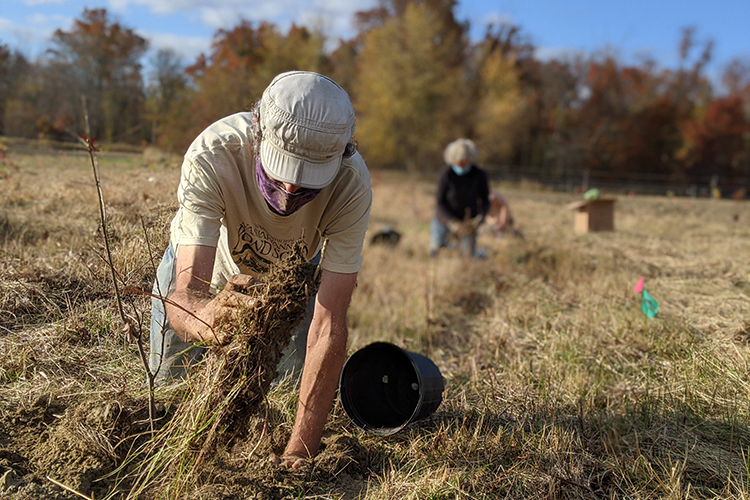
(252,185)
(498,217)
(462,199)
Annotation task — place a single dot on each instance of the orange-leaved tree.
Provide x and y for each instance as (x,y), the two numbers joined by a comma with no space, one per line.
(242,62)
(714,140)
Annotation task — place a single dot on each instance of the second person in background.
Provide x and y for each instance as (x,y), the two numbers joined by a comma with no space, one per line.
(462,199)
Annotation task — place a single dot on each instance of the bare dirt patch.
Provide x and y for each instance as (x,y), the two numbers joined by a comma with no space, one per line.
(75,443)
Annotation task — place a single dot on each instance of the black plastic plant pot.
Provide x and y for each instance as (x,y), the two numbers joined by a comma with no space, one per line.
(385,388)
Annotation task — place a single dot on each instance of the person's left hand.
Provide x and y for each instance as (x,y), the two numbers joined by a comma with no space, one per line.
(476,222)
(290,461)
(468,226)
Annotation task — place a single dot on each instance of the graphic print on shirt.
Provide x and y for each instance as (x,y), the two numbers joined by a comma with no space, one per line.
(257,250)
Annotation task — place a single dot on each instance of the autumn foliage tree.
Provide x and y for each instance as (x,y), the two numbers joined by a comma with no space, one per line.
(409,92)
(100,59)
(628,121)
(714,140)
(13,69)
(166,96)
(736,80)
(242,62)
(635,119)
(497,98)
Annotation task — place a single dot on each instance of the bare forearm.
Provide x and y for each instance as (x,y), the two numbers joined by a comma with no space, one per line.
(326,351)
(187,316)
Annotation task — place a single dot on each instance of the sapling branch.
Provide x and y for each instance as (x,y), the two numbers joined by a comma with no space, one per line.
(129,325)
(132,328)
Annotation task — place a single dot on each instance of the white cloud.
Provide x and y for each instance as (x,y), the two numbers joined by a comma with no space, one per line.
(496,19)
(186,47)
(29,40)
(332,17)
(223,16)
(336,15)
(339,14)
(230,12)
(43,20)
(5,25)
(558,53)
(160,6)
(34,3)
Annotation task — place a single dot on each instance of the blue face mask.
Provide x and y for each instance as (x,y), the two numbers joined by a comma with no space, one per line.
(460,171)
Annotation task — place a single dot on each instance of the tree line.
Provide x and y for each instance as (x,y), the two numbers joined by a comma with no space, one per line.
(417,81)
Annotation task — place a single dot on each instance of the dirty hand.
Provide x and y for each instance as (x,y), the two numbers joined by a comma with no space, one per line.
(226,306)
(242,283)
(454,226)
(290,461)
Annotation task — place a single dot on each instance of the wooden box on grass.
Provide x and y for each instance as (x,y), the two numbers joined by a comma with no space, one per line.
(594,215)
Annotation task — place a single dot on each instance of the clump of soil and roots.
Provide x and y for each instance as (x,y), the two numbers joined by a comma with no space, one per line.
(233,381)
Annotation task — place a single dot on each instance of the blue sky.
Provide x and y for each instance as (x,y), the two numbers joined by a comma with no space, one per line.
(632,28)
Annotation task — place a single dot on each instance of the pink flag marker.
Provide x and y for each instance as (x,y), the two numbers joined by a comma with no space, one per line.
(639,286)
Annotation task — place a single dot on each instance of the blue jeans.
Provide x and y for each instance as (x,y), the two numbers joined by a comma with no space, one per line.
(172,358)
(439,236)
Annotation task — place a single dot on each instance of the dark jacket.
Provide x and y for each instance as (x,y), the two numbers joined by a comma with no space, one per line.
(456,193)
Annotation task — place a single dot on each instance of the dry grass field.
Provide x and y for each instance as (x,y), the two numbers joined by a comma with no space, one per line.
(557,385)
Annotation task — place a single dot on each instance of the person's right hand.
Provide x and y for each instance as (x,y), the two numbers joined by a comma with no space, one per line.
(454,226)
(225,308)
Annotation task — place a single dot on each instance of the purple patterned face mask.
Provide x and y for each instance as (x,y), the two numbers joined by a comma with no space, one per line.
(279,199)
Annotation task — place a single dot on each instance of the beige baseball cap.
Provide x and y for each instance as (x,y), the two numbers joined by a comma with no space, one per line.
(307,120)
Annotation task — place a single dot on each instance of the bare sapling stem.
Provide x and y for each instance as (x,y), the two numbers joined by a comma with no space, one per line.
(130,329)
(89,143)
